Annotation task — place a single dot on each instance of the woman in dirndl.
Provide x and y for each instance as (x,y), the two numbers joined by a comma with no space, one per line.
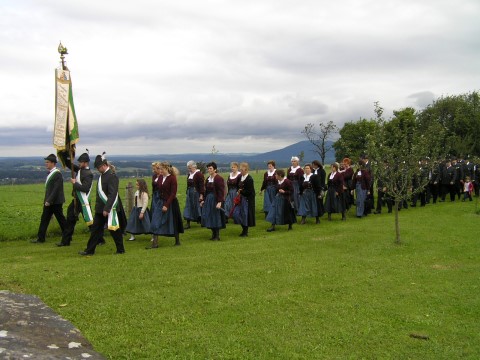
(232,188)
(361,184)
(295,173)
(139,220)
(282,212)
(167,219)
(347,172)
(335,201)
(213,215)
(309,187)
(269,187)
(320,176)
(244,212)
(195,191)
(155,198)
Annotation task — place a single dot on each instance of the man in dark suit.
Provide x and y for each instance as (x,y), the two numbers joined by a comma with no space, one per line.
(82,185)
(447,179)
(370,199)
(108,209)
(54,199)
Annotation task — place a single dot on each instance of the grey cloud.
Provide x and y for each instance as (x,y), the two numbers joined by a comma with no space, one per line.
(422,99)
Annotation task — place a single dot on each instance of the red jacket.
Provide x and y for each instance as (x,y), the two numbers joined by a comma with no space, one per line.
(167,190)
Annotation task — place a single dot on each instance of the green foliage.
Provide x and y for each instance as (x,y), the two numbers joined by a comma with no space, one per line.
(459,116)
(353,139)
(452,121)
(396,147)
(331,291)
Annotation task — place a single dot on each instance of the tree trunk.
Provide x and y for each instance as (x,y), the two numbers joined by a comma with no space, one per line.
(397,224)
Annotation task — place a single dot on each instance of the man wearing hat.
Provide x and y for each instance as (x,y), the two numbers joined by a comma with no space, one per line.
(82,185)
(54,199)
(107,209)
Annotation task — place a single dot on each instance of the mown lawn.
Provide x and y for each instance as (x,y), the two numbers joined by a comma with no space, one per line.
(331,291)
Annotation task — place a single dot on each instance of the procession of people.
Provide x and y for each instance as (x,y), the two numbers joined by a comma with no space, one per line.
(304,192)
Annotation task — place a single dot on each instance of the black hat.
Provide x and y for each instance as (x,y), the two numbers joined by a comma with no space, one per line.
(100,160)
(84,158)
(51,158)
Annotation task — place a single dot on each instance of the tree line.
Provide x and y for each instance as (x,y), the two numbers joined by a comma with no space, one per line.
(407,148)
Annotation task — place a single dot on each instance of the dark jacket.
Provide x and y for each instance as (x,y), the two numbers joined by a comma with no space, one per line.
(54,189)
(218,188)
(247,189)
(110,188)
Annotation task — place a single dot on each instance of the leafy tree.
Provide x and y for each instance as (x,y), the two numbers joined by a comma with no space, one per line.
(459,116)
(353,139)
(396,147)
(318,137)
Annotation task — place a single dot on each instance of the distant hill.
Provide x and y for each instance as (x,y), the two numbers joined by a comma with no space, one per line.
(282,156)
(22,170)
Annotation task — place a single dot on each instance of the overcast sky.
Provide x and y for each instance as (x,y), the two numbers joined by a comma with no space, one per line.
(153,77)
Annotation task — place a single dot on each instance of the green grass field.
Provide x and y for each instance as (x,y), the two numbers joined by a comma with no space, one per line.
(338,290)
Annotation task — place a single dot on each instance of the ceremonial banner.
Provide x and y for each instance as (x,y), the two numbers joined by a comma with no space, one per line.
(65,132)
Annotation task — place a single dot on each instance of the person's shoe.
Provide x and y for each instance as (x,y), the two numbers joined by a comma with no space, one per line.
(243,234)
(37,241)
(62,244)
(151,247)
(119,253)
(84,253)
(302,222)
(271,229)
(131,238)
(289,227)
(317,221)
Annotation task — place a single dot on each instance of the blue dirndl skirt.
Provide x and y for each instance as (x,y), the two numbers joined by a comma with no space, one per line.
(192,209)
(308,204)
(228,206)
(137,226)
(211,216)
(167,223)
(240,213)
(281,212)
(269,197)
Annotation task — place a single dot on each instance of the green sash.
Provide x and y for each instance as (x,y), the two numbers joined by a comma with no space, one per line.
(51,175)
(84,201)
(112,215)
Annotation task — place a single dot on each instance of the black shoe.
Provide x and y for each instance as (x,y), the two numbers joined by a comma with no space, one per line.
(84,253)
(62,244)
(37,241)
(243,234)
(271,229)
(119,253)
(289,227)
